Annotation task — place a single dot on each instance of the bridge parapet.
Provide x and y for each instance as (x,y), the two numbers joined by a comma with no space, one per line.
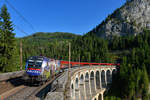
(10,75)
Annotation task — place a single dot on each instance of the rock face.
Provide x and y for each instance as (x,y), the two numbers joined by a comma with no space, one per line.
(132,18)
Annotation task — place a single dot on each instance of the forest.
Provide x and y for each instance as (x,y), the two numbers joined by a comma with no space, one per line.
(132,52)
(132,79)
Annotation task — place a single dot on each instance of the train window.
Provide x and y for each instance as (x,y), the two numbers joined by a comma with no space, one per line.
(30,63)
(31,60)
(38,63)
(34,63)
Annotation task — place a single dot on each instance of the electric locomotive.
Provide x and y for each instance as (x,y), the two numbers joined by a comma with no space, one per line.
(40,69)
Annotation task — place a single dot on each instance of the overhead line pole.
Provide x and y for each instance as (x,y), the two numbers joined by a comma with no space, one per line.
(20,54)
(79,61)
(69,59)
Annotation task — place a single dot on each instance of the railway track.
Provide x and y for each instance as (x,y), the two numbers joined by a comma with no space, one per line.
(8,87)
(22,94)
(29,92)
(9,81)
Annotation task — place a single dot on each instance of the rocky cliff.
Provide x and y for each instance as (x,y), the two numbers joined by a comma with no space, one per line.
(132,18)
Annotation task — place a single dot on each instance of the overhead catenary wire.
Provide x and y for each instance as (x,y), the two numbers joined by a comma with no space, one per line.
(23,18)
(21,30)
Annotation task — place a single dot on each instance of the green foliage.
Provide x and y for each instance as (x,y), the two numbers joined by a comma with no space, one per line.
(131,81)
(144,83)
(132,77)
(90,48)
(55,45)
(112,98)
(7,42)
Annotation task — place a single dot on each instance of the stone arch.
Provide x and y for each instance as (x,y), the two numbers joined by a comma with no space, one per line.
(97,77)
(109,77)
(99,97)
(103,82)
(114,71)
(81,79)
(72,90)
(76,83)
(72,87)
(87,76)
(92,75)
(92,82)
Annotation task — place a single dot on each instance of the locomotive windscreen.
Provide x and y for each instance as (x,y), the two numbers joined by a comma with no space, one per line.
(35,62)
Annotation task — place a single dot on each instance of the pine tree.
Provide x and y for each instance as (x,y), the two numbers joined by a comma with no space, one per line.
(7,40)
(3,59)
(145,84)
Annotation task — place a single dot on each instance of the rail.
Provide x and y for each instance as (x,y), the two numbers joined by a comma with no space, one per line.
(42,91)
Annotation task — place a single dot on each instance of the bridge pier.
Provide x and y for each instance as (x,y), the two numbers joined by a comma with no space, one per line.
(79,94)
(85,91)
(100,80)
(95,81)
(90,86)
(98,97)
(111,76)
(74,92)
(105,79)
(102,98)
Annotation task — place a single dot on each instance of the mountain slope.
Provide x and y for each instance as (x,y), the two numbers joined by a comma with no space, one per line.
(52,45)
(131,19)
(51,36)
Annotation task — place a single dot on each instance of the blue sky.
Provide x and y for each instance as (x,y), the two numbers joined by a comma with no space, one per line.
(75,16)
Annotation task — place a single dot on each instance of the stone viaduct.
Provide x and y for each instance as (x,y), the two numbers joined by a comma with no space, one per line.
(90,83)
(83,81)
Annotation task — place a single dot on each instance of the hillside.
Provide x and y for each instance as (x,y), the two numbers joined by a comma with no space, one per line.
(47,44)
(41,39)
(130,19)
(51,36)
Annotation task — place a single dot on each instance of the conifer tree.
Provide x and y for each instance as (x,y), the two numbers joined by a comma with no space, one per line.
(145,84)
(7,41)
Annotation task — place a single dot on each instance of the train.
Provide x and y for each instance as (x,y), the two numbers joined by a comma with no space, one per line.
(40,69)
